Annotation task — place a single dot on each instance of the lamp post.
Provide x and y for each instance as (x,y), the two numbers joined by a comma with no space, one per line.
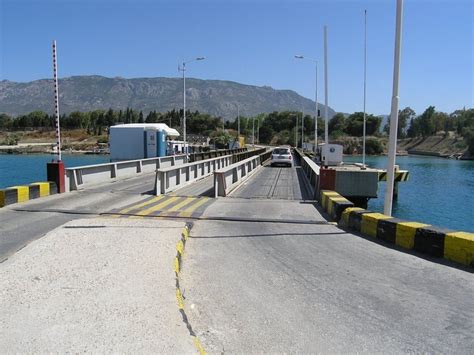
(183,69)
(238,121)
(365,85)
(315,99)
(258,131)
(392,145)
(253,133)
(302,128)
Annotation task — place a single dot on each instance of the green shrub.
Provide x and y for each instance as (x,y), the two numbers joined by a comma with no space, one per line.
(373,147)
(103,139)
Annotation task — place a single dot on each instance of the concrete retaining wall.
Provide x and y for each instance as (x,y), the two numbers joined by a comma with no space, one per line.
(17,194)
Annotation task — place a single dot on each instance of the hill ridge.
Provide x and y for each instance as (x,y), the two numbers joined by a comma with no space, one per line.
(90,92)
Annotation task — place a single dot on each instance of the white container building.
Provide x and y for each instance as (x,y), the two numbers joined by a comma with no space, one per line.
(139,140)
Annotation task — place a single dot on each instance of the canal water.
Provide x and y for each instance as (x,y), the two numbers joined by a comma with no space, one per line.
(18,169)
(439,191)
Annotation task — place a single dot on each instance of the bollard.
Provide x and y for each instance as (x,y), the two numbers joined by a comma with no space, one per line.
(55,173)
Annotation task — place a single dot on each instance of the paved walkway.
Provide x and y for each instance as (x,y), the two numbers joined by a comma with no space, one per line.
(94,285)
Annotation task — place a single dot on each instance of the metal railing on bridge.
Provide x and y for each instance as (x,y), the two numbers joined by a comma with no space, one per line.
(311,169)
(227,178)
(172,178)
(81,176)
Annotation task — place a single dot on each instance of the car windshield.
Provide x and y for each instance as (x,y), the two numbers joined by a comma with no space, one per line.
(281,151)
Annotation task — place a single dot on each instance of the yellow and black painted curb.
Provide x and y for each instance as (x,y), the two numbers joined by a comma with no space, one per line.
(18,194)
(178,264)
(453,245)
(400,175)
(334,204)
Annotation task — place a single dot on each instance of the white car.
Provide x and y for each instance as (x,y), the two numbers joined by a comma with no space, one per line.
(282,156)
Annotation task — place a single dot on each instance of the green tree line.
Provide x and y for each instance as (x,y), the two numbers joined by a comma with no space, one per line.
(96,121)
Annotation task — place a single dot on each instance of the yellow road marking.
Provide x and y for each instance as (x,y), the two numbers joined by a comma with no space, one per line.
(187,212)
(157,207)
(140,205)
(181,204)
(179,298)
(198,345)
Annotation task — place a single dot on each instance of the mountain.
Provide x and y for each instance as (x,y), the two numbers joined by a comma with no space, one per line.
(86,93)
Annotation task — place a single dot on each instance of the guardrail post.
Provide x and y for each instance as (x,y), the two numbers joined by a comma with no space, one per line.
(139,166)
(113,171)
(74,182)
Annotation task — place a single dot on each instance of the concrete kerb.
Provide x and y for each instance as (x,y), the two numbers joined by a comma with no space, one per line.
(178,264)
(18,194)
(456,246)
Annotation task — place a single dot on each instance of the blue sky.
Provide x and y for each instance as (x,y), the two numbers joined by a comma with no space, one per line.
(252,42)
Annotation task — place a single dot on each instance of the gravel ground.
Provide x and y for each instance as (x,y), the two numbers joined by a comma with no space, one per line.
(94,285)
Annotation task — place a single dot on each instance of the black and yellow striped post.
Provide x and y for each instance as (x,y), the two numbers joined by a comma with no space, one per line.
(14,194)
(18,194)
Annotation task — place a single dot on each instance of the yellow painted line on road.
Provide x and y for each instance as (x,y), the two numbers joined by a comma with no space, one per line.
(140,205)
(187,212)
(198,345)
(181,204)
(179,298)
(157,207)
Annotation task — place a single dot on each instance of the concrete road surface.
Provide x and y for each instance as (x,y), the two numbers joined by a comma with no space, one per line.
(278,286)
(24,222)
(98,285)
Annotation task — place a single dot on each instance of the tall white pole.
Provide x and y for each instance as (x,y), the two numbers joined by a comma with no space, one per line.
(296,132)
(184,110)
(258,131)
(365,84)
(392,147)
(238,121)
(302,127)
(56,102)
(253,132)
(316,116)
(326,100)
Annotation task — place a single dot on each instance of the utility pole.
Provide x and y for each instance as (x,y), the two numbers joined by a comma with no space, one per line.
(258,131)
(365,86)
(253,133)
(238,122)
(302,127)
(296,132)
(326,100)
(392,146)
(317,113)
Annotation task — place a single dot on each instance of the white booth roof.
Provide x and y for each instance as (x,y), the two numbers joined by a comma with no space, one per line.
(155,126)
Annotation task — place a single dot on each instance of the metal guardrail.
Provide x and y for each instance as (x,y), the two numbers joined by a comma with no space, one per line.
(82,176)
(226,179)
(311,169)
(171,178)
(247,154)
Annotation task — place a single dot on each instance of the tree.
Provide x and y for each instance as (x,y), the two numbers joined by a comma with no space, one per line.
(404,116)
(355,124)
(266,134)
(337,123)
(427,126)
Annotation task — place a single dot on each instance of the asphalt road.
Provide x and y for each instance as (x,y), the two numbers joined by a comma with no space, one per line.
(258,282)
(22,223)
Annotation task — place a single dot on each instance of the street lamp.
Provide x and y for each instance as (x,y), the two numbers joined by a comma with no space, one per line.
(183,69)
(315,99)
